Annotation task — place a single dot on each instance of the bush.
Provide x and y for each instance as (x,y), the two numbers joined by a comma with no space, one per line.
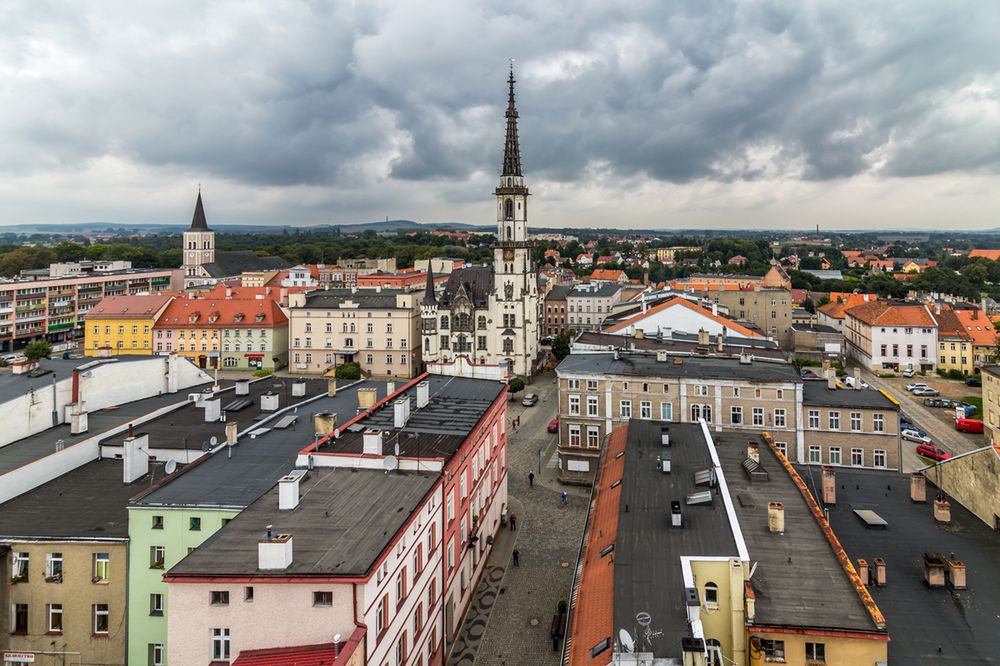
(348,371)
(957,375)
(263,372)
(561,345)
(37,350)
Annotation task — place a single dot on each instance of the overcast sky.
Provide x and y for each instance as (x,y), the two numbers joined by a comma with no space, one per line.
(655,114)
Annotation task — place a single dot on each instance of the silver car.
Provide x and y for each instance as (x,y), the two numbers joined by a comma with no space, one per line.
(529,400)
(914,436)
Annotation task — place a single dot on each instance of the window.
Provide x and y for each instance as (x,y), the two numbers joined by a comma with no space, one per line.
(858,457)
(574,405)
(20,623)
(834,455)
(55,618)
(220,643)
(879,456)
(701,390)
(195,524)
(451,555)
(758,416)
(779,418)
(625,409)
(736,415)
(19,567)
(592,385)
(401,649)
(156,557)
(593,437)
(701,412)
(101,622)
(816,652)
(834,420)
(323,598)
(157,522)
(451,508)
(711,595)
(878,422)
(773,650)
(855,421)
(219,597)
(573,384)
(666,411)
(591,405)
(645,409)
(814,455)
(53,567)
(814,419)
(574,435)
(783,447)
(248,593)
(155,654)
(156,605)
(102,567)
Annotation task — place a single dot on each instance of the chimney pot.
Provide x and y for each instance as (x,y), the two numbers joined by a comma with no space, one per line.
(372,442)
(863,570)
(942,509)
(880,572)
(776,517)
(918,487)
(331,387)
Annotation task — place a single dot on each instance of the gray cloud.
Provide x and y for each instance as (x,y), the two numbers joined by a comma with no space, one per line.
(355,96)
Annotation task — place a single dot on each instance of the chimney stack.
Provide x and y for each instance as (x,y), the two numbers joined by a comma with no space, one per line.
(288,490)
(372,442)
(831,382)
(776,517)
(880,572)
(270,402)
(703,337)
(331,387)
(863,570)
(857,378)
(274,551)
(720,340)
(324,423)
(231,431)
(401,412)
(367,397)
(942,509)
(753,451)
(676,520)
(78,421)
(242,387)
(423,394)
(390,388)
(918,487)
(135,456)
(956,574)
(298,388)
(829,486)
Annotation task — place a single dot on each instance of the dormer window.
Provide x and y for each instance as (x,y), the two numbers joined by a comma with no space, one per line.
(193,317)
(238,317)
(214,317)
(260,317)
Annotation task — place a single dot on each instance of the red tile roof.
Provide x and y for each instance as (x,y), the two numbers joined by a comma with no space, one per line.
(128,307)
(612,274)
(992,255)
(200,312)
(886,313)
(592,620)
(840,301)
(323,654)
(978,326)
(683,302)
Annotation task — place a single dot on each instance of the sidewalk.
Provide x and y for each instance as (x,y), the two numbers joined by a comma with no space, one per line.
(470,636)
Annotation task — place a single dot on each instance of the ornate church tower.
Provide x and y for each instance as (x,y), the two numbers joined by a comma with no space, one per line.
(515,304)
(199,244)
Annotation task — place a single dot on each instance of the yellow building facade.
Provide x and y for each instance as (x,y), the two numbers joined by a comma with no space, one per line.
(123,325)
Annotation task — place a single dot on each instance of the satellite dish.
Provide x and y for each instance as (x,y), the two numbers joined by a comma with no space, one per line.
(625,640)
(170,467)
(336,638)
(213,441)
(390,463)
(753,568)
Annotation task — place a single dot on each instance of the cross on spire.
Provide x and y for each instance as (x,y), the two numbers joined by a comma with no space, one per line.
(511,148)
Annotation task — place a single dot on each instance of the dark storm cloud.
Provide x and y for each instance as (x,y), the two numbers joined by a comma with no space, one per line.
(350,94)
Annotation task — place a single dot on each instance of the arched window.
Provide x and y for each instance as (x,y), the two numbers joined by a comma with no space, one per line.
(711,595)
(701,412)
(508,213)
(510,234)
(444,322)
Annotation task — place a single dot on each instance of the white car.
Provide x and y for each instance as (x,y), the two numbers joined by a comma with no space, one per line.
(914,436)
(909,372)
(911,387)
(849,381)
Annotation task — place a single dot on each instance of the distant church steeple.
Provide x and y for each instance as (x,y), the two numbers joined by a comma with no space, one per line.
(511,149)
(198,222)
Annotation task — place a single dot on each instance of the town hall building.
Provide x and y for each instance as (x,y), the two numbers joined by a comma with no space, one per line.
(490,314)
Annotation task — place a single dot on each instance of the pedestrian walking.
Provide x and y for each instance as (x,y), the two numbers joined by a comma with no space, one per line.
(513,522)
(517,555)
(565,498)
(531,479)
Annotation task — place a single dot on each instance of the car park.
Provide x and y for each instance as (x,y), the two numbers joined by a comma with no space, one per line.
(553,425)
(969,425)
(938,402)
(927,390)
(932,452)
(529,400)
(914,386)
(914,435)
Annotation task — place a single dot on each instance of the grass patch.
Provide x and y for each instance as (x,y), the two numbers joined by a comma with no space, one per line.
(977,401)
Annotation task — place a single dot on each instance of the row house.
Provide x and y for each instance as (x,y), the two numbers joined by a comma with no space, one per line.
(556,321)
(892,335)
(587,305)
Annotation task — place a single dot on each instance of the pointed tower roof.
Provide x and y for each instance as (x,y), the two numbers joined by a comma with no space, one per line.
(511,148)
(429,289)
(198,222)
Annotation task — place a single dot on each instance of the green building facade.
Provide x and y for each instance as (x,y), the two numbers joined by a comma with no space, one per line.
(160,537)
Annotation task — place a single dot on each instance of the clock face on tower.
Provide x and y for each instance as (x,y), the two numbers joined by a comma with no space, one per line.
(508,254)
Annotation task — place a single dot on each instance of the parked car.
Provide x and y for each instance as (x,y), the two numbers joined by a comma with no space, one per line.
(10,358)
(927,390)
(973,381)
(547,340)
(909,372)
(849,381)
(914,435)
(553,425)
(969,425)
(938,402)
(932,452)
(529,399)
(916,385)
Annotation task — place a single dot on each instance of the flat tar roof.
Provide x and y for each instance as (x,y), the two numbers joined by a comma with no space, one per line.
(648,574)
(646,365)
(962,623)
(344,520)
(816,393)
(256,463)
(14,386)
(799,582)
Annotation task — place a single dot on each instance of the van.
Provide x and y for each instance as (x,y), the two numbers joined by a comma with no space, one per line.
(969,425)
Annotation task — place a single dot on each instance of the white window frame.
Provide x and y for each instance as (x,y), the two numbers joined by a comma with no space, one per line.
(625,409)
(835,455)
(814,419)
(666,411)
(736,415)
(593,406)
(878,422)
(593,437)
(857,454)
(780,418)
(757,416)
(857,421)
(646,409)
(573,431)
(833,420)
(574,405)
(220,643)
(815,454)
(879,458)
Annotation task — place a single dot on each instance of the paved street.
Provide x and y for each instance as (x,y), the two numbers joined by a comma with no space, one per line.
(511,625)
(938,425)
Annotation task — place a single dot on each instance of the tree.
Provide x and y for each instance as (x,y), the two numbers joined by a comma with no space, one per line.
(348,371)
(515,385)
(37,349)
(561,345)
(808,305)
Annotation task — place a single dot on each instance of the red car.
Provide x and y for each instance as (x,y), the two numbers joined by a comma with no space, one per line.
(553,425)
(932,452)
(969,425)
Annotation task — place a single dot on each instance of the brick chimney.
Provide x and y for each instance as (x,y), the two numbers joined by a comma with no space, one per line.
(880,572)
(776,517)
(753,451)
(829,486)
(942,509)
(863,570)
(918,487)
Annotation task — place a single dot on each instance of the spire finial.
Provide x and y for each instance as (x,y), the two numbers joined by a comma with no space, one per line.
(512,148)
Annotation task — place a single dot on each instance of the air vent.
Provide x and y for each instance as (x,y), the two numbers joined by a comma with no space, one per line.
(703,497)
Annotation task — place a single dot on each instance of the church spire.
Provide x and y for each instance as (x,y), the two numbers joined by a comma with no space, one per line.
(198,222)
(511,148)
(429,289)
